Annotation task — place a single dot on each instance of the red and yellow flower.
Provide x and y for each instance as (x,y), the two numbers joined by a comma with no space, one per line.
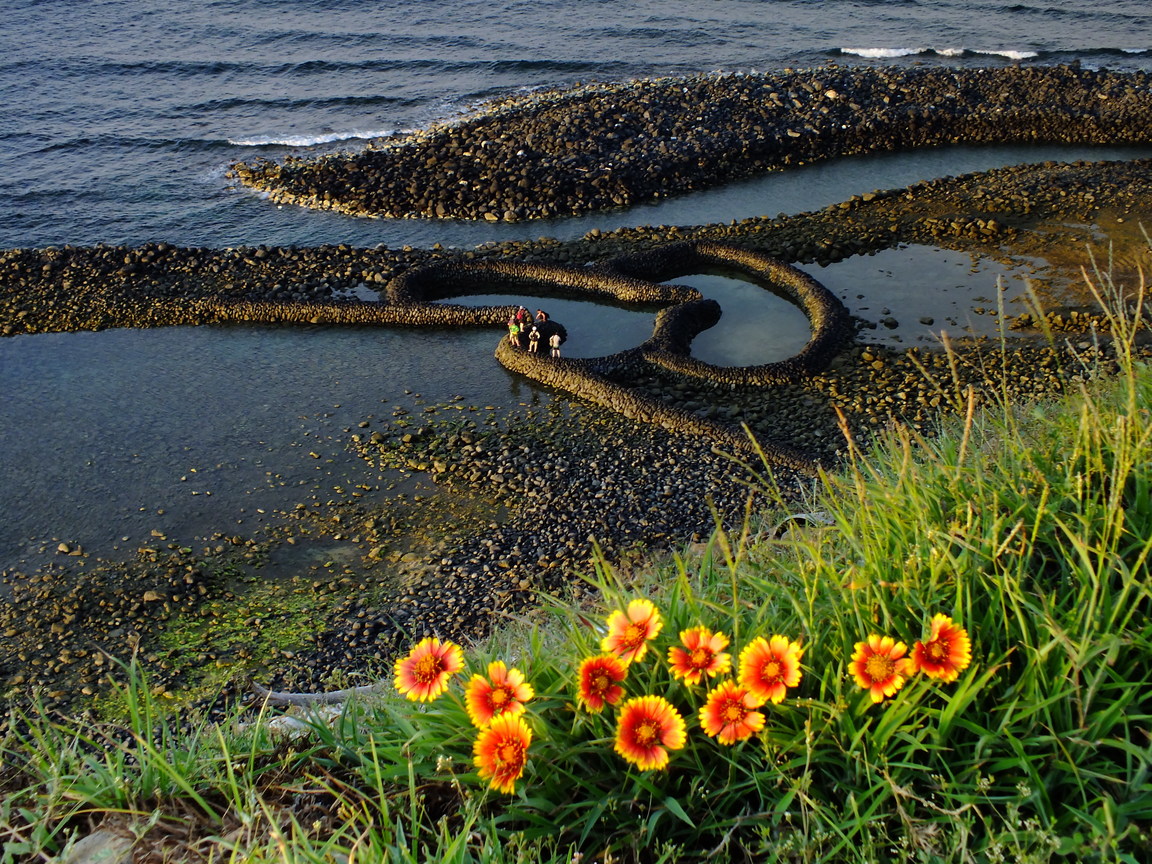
(879,666)
(768,667)
(424,674)
(729,713)
(599,681)
(500,751)
(630,632)
(648,727)
(700,653)
(945,653)
(504,691)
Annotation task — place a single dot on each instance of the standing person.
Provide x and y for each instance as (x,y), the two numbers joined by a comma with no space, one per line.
(534,339)
(554,341)
(514,333)
(523,318)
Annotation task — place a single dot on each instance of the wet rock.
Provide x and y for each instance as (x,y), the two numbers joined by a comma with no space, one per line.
(602,146)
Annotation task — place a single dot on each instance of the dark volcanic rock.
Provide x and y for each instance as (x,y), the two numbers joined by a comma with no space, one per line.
(606,146)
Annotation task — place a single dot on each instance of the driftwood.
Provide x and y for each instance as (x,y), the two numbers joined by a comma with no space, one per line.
(284,699)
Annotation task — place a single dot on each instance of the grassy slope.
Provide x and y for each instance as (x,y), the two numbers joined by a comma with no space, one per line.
(1030,526)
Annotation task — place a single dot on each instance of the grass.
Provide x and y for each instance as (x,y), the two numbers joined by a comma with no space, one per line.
(1029,525)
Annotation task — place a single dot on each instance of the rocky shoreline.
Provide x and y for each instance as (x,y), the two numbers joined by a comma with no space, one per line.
(603,146)
(516,513)
(519,504)
(1045,210)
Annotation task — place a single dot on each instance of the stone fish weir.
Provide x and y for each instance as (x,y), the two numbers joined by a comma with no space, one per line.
(606,146)
(676,327)
(636,278)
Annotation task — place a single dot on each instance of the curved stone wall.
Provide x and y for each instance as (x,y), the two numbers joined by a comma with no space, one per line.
(350,312)
(439,280)
(669,346)
(581,378)
(634,279)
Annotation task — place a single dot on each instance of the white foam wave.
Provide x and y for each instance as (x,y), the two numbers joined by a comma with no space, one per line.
(310,140)
(1011,55)
(889,53)
(882,53)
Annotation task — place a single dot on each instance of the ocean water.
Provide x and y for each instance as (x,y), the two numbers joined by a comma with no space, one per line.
(121,120)
(122,116)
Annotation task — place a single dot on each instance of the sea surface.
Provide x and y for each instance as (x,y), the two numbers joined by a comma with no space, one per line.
(121,118)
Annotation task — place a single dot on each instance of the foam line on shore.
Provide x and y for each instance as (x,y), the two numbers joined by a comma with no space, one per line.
(313,140)
(882,53)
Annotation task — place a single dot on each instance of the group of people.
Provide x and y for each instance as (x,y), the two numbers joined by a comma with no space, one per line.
(523,327)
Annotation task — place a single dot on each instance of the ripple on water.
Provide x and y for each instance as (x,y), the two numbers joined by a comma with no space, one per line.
(912,293)
(756,325)
(102,430)
(207,424)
